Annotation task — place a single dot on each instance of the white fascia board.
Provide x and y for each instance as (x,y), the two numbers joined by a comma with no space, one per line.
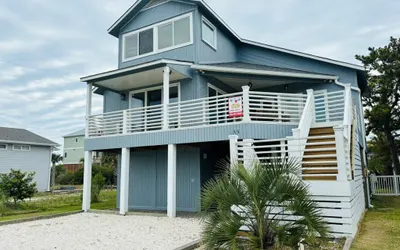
(30,143)
(124,15)
(262,72)
(119,71)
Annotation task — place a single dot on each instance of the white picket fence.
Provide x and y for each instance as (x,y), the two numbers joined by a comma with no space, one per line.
(385,185)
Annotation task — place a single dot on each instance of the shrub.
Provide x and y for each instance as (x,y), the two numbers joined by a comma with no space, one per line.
(98,184)
(65,178)
(77,178)
(106,171)
(3,204)
(18,185)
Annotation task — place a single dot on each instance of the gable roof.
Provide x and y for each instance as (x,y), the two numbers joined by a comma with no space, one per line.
(140,4)
(23,136)
(80,132)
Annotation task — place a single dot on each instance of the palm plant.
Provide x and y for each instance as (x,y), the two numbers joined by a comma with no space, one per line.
(262,207)
(55,158)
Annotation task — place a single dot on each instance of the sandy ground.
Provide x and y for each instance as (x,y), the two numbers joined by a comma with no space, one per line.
(100,231)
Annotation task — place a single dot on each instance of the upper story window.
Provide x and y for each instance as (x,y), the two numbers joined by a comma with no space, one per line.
(167,35)
(3,146)
(209,33)
(21,148)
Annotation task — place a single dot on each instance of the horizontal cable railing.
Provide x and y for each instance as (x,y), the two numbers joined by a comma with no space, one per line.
(276,107)
(201,112)
(329,106)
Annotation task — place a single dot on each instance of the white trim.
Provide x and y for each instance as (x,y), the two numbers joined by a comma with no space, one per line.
(154,28)
(345,85)
(171,183)
(146,90)
(73,148)
(245,41)
(119,71)
(153,6)
(262,72)
(30,143)
(208,23)
(3,149)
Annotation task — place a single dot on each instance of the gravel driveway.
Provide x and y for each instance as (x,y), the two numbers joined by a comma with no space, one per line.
(87,231)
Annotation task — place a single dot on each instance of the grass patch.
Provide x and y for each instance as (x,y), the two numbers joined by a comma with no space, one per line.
(380,229)
(56,204)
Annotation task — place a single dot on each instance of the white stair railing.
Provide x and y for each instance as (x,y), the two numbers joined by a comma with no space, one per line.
(307,119)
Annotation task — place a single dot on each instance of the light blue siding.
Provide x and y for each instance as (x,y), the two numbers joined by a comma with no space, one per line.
(256,55)
(36,160)
(192,135)
(155,15)
(148,179)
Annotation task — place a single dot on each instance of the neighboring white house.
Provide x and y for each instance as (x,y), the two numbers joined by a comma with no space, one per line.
(29,152)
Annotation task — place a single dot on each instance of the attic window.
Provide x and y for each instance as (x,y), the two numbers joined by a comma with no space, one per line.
(209,33)
(3,146)
(21,148)
(160,37)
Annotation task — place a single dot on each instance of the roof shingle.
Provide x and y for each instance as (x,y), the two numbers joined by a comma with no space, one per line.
(23,136)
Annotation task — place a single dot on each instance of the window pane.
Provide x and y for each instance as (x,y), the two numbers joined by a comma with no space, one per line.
(165,36)
(173,94)
(17,147)
(212,92)
(131,46)
(25,148)
(208,34)
(146,41)
(138,100)
(182,31)
(3,146)
(154,97)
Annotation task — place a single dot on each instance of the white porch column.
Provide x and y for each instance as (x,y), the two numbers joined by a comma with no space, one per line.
(165,96)
(246,103)
(87,181)
(88,107)
(249,156)
(171,198)
(124,189)
(233,150)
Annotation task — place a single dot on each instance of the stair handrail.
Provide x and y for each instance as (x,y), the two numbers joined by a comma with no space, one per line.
(307,120)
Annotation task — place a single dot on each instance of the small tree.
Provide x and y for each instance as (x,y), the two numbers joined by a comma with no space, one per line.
(55,158)
(18,185)
(98,184)
(257,195)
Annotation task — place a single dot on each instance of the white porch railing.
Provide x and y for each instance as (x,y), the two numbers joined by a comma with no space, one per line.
(276,107)
(258,107)
(329,106)
(385,185)
(266,151)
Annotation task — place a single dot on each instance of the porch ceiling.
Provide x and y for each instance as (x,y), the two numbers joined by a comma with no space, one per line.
(139,80)
(137,76)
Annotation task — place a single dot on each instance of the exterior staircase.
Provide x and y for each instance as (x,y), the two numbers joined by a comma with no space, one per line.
(319,160)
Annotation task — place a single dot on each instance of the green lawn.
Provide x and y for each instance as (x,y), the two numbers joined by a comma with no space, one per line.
(56,204)
(380,229)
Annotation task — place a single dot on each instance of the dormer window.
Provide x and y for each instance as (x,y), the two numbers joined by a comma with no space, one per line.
(160,37)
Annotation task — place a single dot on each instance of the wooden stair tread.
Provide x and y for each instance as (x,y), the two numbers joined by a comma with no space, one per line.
(321,140)
(319,159)
(323,152)
(322,131)
(321,146)
(328,171)
(319,178)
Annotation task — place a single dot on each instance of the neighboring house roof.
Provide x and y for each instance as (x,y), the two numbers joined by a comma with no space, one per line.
(140,4)
(256,69)
(23,136)
(80,132)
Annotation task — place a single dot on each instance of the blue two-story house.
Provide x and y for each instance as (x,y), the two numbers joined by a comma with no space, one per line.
(189,92)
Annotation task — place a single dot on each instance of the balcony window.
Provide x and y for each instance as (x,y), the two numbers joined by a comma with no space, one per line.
(153,96)
(167,35)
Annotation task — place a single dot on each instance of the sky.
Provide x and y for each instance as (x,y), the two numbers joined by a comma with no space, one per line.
(47,45)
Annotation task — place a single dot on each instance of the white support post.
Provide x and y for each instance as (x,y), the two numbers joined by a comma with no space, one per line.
(171,192)
(310,96)
(233,139)
(294,147)
(124,188)
(249,158)
(87,181)
(88,107)
(341,154)
(395,183)
(165,96)
(246,103)
(125,121)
